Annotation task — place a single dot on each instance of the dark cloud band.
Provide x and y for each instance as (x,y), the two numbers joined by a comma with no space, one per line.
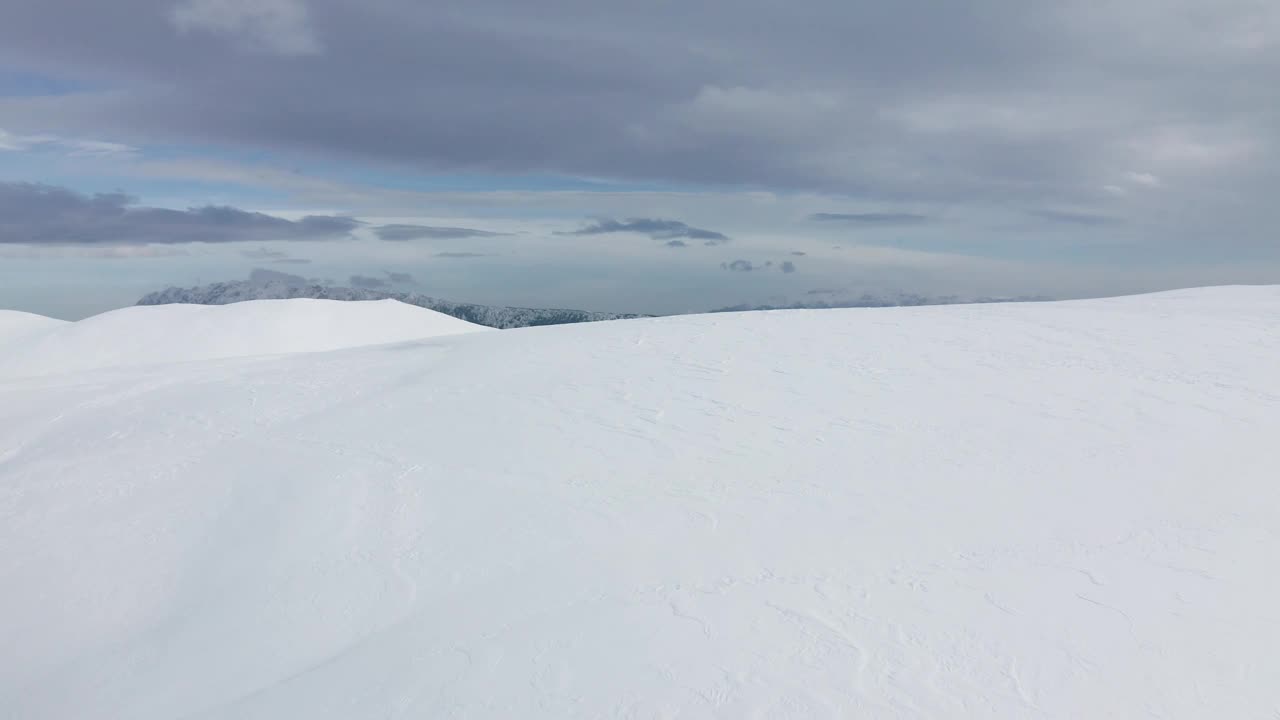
(656,228)
(871,218)
(401,233)
(47,215)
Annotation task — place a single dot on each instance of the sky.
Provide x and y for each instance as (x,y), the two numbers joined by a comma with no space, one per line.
(655,157)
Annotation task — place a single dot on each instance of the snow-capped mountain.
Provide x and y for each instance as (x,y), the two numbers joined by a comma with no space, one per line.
(1040,510)
(278,286)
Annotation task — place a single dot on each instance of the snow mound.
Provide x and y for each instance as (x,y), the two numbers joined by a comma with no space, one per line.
(15,324)
(1055,510)
(179,333)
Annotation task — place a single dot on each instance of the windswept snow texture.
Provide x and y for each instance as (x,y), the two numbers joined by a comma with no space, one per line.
(1051,510)
(174,333)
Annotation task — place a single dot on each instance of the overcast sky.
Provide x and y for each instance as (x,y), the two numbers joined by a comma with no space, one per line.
(629,156)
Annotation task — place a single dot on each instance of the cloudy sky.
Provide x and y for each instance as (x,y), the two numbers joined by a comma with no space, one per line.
(650,157)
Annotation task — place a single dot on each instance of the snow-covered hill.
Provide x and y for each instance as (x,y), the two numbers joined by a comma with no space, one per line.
(266,285)
(1051,510)
(175,333)
(15,324)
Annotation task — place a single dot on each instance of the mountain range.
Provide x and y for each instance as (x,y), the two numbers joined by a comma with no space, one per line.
(271,285)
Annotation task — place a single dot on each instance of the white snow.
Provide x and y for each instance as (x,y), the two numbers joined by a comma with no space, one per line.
(1057,510)
(15,324)
(175,333)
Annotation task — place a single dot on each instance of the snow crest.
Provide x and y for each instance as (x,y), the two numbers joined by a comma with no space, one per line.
(15,324)
(179,333)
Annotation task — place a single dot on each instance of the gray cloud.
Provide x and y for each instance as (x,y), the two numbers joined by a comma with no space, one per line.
(264,254)
(1152,105)
(427,232)
(460,255)
(1068,217)
(278,257)
(799,253)
(273,26)
(655,228)
(615,93)
(871,218)
(785,266)
(367,282)
(48,215)
(401,278)
(262,276)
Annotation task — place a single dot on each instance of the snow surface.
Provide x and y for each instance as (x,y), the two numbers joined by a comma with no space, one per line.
(174,333)
(15,324)
(1052,510)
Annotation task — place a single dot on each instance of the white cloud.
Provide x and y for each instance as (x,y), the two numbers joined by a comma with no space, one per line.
(282,27)
(761,110)
(1192,148)
(1142,178)
(9,142)
(75,147)
(96,148)
(1008,114)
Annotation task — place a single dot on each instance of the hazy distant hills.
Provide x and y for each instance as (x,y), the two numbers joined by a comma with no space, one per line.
(272,285)
(266,285)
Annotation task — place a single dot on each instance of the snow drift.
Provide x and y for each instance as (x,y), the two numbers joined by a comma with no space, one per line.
(1059,510)
(172,333)
(15,324)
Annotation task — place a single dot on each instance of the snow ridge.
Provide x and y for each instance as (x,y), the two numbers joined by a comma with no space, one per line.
(15,324)
(183,333)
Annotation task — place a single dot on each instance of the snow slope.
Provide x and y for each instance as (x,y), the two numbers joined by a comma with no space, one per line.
(1051,510)
(15,324)
(174,333)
